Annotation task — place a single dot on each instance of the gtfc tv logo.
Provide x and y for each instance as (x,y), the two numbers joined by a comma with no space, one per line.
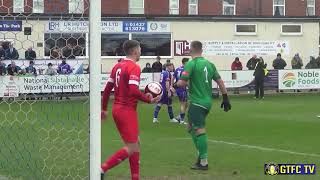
(289,169)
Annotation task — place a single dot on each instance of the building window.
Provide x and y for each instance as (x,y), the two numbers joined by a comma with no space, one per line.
(69,45)
(229,7)
(174,7)
(76,6)
(136,6)
(193,7)
(291,29)
(311,7)
(246,29)
(18,6)
(279,8)
(38,6)
(111,44)
(154,44)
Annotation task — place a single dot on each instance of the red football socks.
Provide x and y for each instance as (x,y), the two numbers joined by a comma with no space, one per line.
(134,160)
(115,159)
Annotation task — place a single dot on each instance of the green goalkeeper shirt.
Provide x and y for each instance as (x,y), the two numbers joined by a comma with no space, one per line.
(200,73)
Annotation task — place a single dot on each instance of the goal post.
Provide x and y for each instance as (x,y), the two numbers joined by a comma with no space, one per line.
(95,92)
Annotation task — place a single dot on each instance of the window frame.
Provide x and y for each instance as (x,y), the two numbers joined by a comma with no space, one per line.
(197,7)
(291,34)
(275,5)
(171,9)
(75,11)
(42,7)
(312,6)
(144,57)
(130,8)
(17,9)
(77,57)
(234,8)
(246,33)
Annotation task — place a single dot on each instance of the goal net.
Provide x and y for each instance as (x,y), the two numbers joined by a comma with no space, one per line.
(44,89)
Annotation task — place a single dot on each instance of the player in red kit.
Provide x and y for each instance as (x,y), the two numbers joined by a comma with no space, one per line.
(125,79)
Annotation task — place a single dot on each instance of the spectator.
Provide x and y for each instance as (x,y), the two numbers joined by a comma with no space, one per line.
(13,69)
(279,63)
(3,70)
(259,74)
(64,68)
(68,52)
(236,65)
(147,69)
(50,71)
(296,62)
(157,66)
(251,64)
(55,53)
(119,60)
(30,54)
(2,53)
(164,67)
(312,64)
(31,70)
(11,53)
(318,61)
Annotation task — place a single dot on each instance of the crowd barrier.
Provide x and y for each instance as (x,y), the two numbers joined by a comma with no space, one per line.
(13,86)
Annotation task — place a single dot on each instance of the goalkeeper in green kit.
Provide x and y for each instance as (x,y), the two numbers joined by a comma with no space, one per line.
(200,73)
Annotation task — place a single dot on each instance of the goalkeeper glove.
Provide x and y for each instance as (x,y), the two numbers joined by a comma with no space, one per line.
(225,103)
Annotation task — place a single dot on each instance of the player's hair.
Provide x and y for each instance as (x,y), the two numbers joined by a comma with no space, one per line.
(185,60)
(169,64)
(129,46)
(196,46)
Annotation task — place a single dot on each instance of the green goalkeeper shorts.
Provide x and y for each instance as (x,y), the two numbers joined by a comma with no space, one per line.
(197,116)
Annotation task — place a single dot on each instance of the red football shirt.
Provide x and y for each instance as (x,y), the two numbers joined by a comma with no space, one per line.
(123,74)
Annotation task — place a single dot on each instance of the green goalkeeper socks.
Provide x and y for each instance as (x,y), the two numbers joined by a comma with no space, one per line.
(202,144)
(194,138)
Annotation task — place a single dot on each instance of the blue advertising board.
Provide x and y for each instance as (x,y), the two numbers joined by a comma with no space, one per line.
(10,25)
(135,26)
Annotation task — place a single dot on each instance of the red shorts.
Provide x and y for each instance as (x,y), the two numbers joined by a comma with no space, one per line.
(126,120)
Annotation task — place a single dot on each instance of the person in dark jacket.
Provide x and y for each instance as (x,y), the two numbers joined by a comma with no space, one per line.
(3,70)
(312,64)
(13,69)
(68,52)
(296,62)
(251,64)
(31,69)
(30,54)
(11,53)
(147,69)
(279,63)
(259,74)
(318,61)
(2,53)
(157,66)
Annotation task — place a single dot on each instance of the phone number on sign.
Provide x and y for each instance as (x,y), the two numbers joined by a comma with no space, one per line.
(135,29)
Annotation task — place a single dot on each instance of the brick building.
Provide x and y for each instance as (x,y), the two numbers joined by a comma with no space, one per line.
(262,8)
(164,28)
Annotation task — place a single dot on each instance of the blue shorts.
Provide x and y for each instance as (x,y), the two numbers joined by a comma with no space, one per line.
(165,99)
(182,95)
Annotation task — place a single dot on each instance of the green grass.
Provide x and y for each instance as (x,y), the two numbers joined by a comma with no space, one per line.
(49,140)
(286,122)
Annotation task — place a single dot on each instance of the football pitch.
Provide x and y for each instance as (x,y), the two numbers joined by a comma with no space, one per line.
(49,140)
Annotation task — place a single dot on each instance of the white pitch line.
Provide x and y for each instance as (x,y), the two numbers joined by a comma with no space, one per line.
(257,147)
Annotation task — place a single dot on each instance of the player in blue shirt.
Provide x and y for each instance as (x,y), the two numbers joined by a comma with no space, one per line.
(166,81)
(181,92)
